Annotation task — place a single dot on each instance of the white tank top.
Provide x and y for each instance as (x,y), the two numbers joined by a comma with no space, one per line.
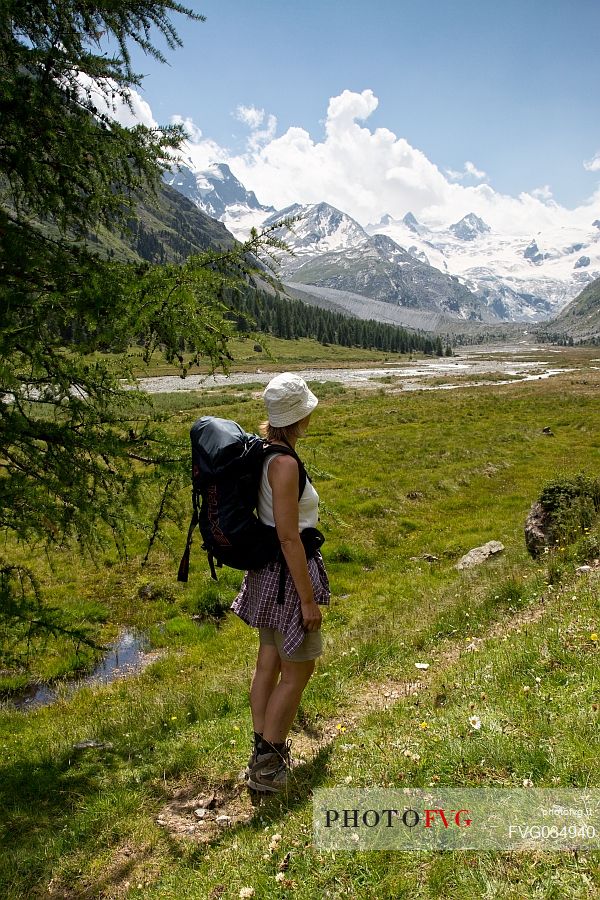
(308,505)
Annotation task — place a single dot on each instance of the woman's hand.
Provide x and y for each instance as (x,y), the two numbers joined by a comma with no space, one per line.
(311,616)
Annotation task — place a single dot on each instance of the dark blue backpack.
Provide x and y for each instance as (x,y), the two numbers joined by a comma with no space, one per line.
(227,467)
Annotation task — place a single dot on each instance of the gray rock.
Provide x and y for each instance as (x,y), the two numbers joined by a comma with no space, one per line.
(89,744)
(479,554)
(582,262)
(537,530)
(208,802)
(411,223)
(532,253)
(583,570)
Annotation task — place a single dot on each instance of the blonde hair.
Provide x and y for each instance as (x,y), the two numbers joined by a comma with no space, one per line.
(287,433)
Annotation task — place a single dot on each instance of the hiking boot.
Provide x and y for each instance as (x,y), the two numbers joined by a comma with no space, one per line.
(251,762)
(269,772)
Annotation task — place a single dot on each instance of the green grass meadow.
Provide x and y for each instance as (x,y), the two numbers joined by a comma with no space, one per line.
(264,352)
(409,482)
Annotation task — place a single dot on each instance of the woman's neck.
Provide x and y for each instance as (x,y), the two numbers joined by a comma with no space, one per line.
(287,443)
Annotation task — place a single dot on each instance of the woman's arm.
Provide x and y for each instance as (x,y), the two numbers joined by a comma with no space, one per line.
(284,481)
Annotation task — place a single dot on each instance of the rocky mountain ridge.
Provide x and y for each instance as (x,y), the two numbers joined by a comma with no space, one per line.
(218,193)
(518,279)
(331,250)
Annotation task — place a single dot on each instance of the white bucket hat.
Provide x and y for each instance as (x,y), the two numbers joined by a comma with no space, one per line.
(288,399)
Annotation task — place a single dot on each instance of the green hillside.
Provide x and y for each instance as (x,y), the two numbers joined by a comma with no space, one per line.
(167,227)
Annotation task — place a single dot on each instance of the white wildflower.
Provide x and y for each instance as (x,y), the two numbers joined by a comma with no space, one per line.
(275,841)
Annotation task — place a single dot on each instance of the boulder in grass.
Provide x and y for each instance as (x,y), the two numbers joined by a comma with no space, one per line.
(479,555)
(537,529)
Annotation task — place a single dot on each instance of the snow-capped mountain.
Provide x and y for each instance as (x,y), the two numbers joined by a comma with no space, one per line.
(410,222)
(469,228)
(522,278)
(331,250)
(320,229)
(217,192)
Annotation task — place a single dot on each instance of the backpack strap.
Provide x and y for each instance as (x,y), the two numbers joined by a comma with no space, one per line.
(184,565)
(303,475)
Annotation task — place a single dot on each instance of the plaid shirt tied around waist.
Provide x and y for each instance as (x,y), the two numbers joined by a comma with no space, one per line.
(256,604)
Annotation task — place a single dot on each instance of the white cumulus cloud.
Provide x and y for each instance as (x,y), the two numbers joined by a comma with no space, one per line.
(192,130)
(140,112)
(470,171)
(137,112)
(250,116)
(368,172)
(254,118)
(542,193)
(197,151)
(592,165)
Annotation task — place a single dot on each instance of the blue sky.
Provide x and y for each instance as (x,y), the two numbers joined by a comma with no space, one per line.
(511,86)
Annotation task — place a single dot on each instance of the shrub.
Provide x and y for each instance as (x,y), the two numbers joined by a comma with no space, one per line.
(571,504)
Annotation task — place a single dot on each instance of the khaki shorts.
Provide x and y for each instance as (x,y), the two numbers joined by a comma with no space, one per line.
(310,648)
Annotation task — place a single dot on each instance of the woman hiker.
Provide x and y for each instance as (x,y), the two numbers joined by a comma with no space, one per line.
(289,630)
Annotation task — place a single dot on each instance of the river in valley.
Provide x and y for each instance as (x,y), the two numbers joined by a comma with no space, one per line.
(504,365)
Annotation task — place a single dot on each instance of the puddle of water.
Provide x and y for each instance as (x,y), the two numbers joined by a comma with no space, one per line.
(125,656)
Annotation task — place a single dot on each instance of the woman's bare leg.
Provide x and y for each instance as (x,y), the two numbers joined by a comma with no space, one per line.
(263,683)
(284,700)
